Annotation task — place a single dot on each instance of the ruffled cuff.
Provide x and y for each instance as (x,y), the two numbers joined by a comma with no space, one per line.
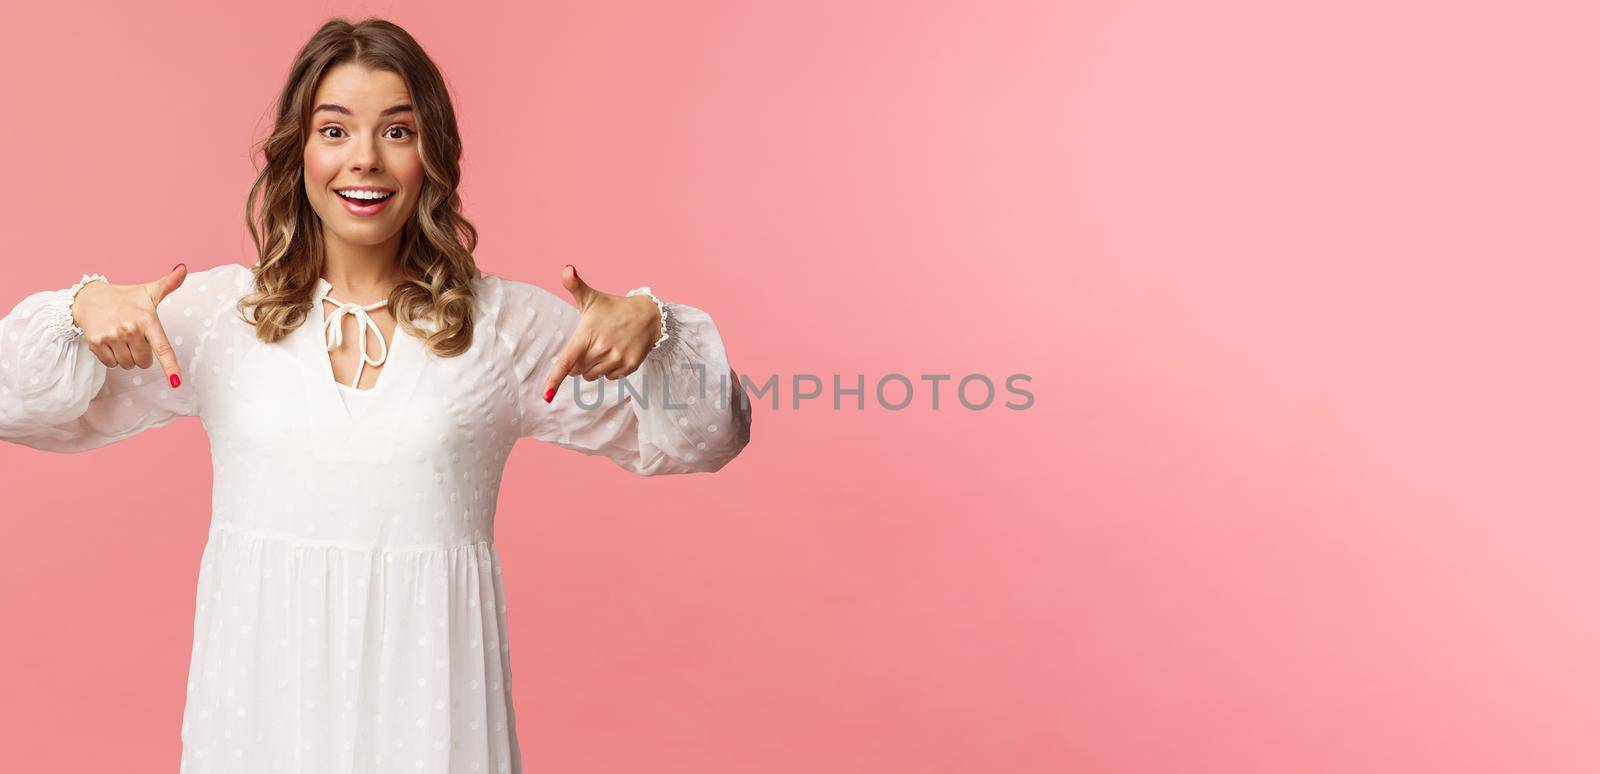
(58,310)
(664,345)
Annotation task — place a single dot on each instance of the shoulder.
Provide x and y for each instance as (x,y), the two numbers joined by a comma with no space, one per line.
(213,288)
(222,282)
(208,298)
(232,273)
(498,296)
(199,309)
(522,314)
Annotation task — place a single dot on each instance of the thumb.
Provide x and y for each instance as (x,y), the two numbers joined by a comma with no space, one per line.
(165,285)
(580,290)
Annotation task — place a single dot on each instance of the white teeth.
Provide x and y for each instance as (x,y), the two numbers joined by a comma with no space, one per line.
(374,195)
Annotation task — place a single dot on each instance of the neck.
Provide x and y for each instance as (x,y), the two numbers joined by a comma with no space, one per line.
(361,271)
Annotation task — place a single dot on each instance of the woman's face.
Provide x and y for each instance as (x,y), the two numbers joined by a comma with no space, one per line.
(362,135)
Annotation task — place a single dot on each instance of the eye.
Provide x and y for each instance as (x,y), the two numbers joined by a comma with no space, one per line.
(407,130)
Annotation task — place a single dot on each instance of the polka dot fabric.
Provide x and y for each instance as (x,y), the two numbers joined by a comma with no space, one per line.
(350,614)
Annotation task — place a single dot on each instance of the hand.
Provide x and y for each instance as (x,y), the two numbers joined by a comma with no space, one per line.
(613,336)
(121,326)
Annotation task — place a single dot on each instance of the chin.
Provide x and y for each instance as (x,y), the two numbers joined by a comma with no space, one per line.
(366,237)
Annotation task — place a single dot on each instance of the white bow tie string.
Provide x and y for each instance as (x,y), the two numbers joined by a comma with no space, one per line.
(334,332)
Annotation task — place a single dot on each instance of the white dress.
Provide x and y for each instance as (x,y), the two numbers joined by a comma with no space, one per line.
(349,613)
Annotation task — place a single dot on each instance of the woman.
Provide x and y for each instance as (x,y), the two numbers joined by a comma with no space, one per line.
(349,614)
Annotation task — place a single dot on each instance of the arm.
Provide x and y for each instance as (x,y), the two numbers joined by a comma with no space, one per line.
(56,395)
(702,422)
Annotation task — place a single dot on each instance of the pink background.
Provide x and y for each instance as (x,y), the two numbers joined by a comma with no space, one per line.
(1307,292)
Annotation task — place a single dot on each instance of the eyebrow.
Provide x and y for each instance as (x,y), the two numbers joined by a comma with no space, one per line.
(404,107)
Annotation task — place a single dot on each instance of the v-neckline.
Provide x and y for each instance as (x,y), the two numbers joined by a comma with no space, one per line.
(390,347)
(384,402)
(367,432)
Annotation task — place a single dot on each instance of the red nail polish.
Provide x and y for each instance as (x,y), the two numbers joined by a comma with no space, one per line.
(176,265)
(175,380)
(548,394)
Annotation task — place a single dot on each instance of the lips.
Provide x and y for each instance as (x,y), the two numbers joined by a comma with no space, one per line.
(364,207)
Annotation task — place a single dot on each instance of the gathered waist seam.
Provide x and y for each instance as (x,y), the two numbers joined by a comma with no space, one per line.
(300,540)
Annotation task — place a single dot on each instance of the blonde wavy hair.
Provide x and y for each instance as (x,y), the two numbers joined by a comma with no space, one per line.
(438,241)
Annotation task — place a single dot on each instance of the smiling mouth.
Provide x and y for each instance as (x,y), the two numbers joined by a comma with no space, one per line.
(364,202)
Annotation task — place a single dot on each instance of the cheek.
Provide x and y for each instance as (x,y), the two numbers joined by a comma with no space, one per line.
(320,168)
(408,170)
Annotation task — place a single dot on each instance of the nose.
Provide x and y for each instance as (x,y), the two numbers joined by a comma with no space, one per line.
(364,156)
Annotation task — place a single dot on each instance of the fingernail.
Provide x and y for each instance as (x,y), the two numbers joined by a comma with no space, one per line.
(548,394)
(174,378)
(176,265)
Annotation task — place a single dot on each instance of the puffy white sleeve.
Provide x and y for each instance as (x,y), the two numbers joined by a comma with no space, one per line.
(55,395)
(681,411)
